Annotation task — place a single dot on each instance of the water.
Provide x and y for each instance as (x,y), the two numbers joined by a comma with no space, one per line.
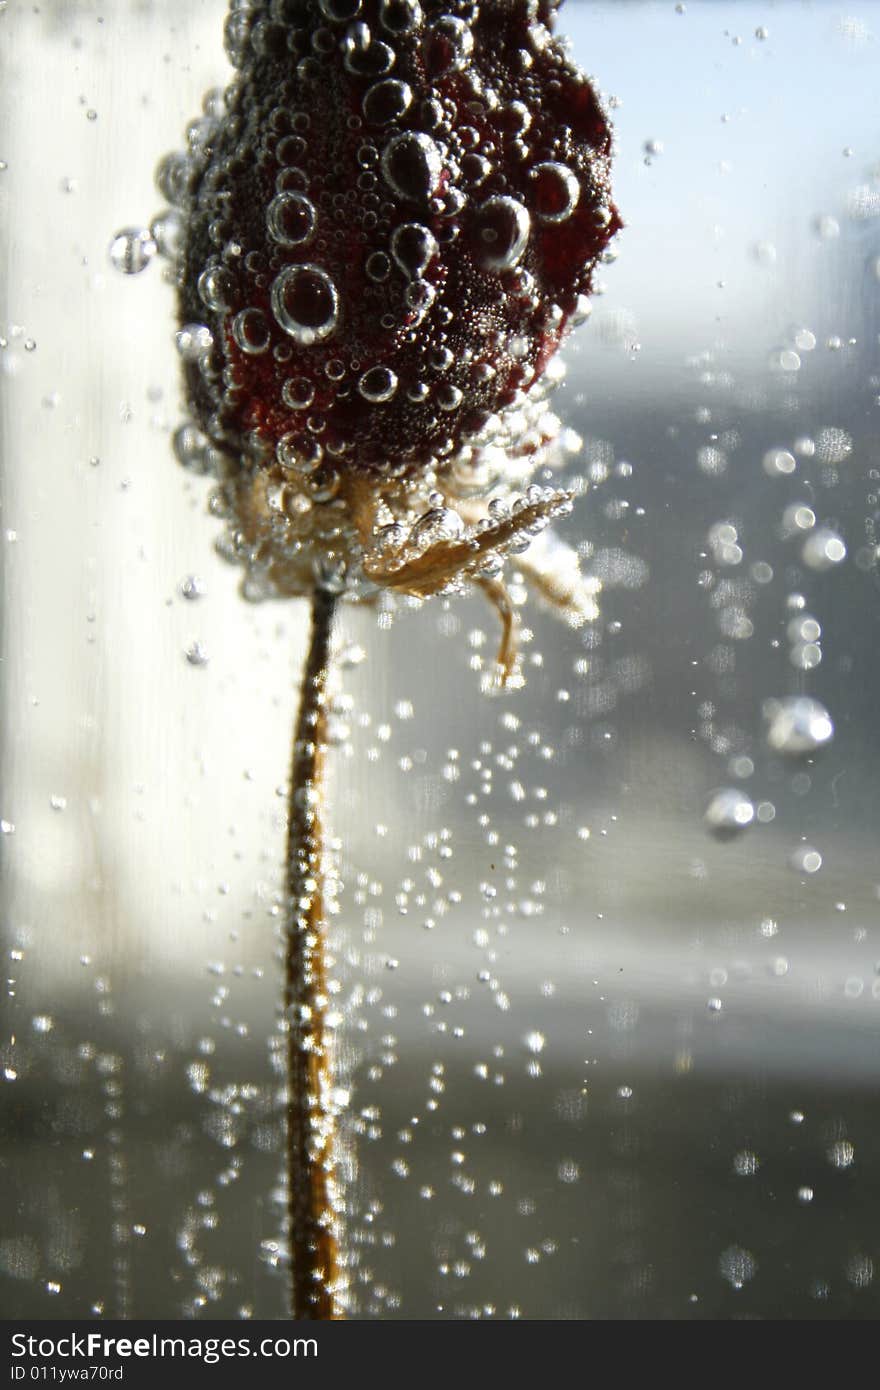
(602,1062)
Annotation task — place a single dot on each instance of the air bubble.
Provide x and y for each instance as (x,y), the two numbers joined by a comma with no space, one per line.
(737,1266)
(797,726)
(778,463)
(192,587)
(340,11)
(400,16)
(449,45)
(367,59)
(806,656)
(172,177)
(190,448)
(413,247)
(711,460)
(823,549)
(167,231)
(290,219)
(387,101)
(841,1154)
(193,340)
(250,330)
(833,445)
(438,524)
(132,250)
(378,266)
(378,385)
(298,393)
(803,629)
(503,229)
(196,654)
(419,296)
(787,360)
(299,451)
(305,302)
(412,165)
(291,150)
(476,168)
(449,397)
(556,192)
(827,228)
(746,1164)
(797,518)
(216,287)
(806,860)
(729,813)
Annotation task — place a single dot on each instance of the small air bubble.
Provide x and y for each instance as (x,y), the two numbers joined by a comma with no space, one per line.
(797,725)
(806,860)
(132,249)
(729,813)
(196,654)
(737,1266)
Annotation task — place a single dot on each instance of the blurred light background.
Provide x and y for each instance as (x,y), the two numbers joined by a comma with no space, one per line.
(604,1062)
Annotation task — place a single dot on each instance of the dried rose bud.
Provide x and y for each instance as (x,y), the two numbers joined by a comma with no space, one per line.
(386,236)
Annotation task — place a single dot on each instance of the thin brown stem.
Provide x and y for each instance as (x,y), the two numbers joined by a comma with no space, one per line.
(497,594)
(316,1279)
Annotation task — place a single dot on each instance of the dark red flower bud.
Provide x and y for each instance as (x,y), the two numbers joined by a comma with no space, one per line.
(387,234)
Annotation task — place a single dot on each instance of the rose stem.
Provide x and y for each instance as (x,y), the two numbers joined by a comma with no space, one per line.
(312,1207)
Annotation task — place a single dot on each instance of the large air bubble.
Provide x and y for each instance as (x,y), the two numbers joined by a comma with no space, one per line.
(305,302)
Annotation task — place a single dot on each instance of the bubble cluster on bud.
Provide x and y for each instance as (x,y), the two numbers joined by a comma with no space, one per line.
(389,222)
